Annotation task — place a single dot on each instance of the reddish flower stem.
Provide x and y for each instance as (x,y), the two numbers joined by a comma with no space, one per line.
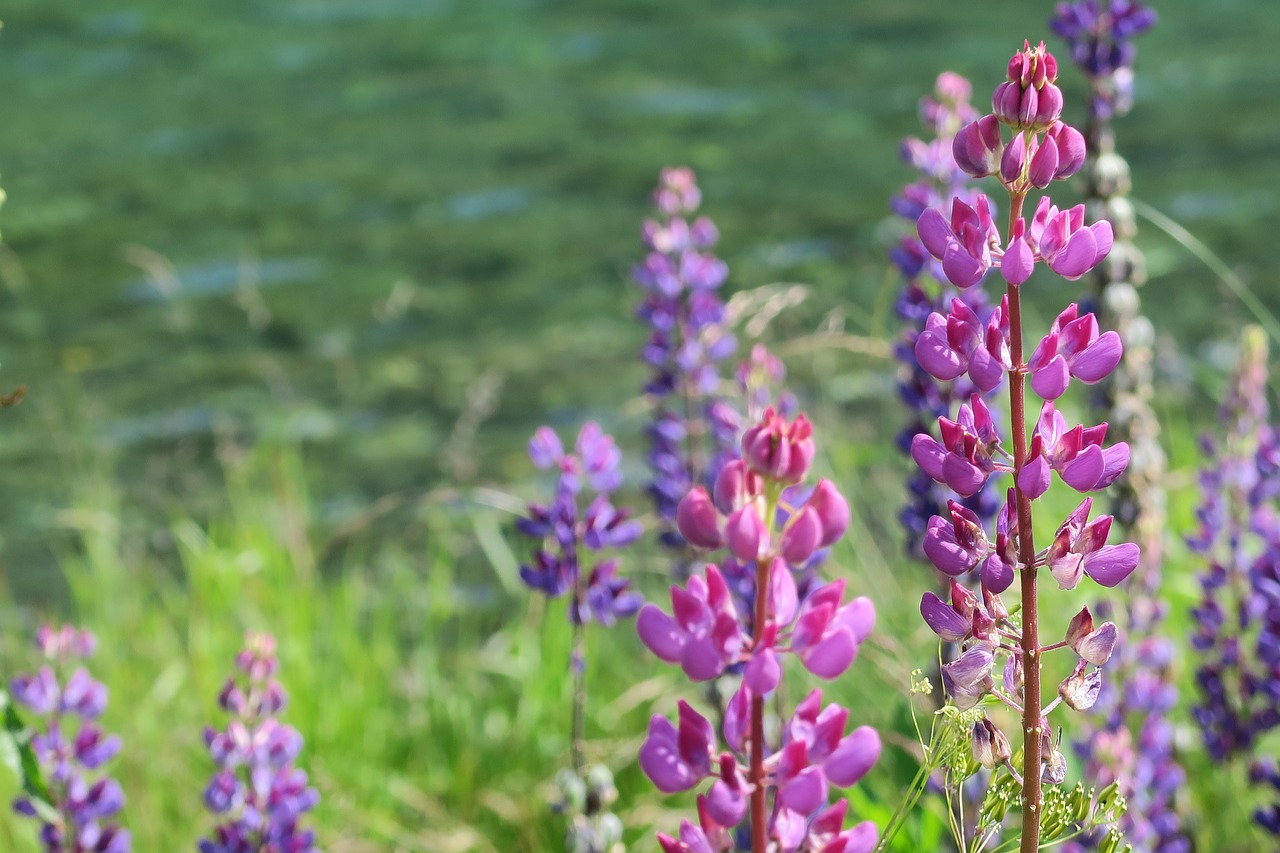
(1032,797)
(759,822)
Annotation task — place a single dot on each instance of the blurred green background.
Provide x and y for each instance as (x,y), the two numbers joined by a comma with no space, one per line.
(324,220)
(280,276)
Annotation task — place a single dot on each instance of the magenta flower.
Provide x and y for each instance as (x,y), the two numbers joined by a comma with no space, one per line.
(962,460)
(703,636)
(1073,347)
(966,245)
(676,759)
(1065,243)
(958,343)
(1076,454)
(1079,548)
(827,634)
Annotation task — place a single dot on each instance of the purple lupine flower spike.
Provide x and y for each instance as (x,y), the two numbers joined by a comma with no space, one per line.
(563,531)
(692,430)
(82,814)
(257,793)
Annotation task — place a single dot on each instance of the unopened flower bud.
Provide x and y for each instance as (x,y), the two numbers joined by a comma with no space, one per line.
(697,520)
(990,746)
(734,485)
(978,148)
(1029,100)
(832,510)
(1044,164)
(1071,149)
(779,450)
(744,533)
(801,537)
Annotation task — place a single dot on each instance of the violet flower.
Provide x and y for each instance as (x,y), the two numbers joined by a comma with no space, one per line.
(563,531)
(774,794)
(257,794)
(1237,630)
(72,749)
(692,430)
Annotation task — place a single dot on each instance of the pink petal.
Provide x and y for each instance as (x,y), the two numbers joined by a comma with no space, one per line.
(1018,262)
(805,792)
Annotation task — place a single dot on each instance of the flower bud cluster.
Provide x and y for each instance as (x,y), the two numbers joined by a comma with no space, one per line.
(970,450)
(755,509)
(926,294)
(561,530)
(71,748)
(692,427)
(257,794)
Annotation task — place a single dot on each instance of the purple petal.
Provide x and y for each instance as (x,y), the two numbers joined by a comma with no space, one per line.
(961,268)
(545,448)
(1115,459)
(934,232)
(964,478)
(660,633)
(1018,262)
(1103,238)
(1082,473)
(805,792)
(937,357)
(700,659)
(1112,564)
(929,455)
(1051,380)
(832,655)
(762,673)
(1033,479)
(855,755)
(661,761)
(1098,359)
(1077,257)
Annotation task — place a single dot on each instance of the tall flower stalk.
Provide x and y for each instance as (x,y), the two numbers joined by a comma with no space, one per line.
(1132,743)
(971,449)
(81,813)
(772,793)
(1237,622)
(563,534)
(692,430)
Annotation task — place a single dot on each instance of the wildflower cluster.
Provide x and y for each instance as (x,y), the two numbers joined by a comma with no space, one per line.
(758,509)
(971,449)
(692,428)
(71,748)
(257,794)
(561,529)
(1237,622)
(926,293)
